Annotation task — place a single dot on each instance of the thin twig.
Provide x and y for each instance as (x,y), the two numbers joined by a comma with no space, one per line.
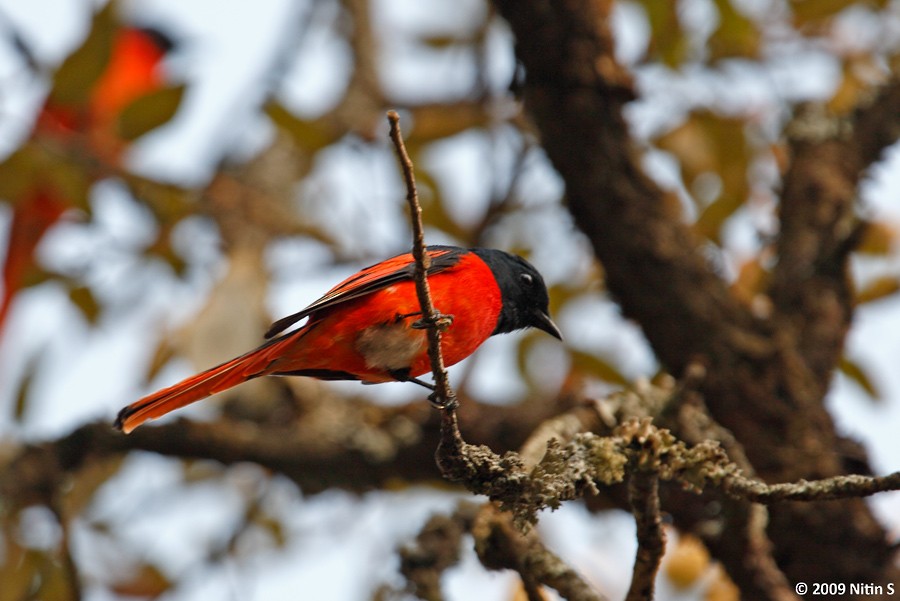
(450,450)
(826,489)
(433,320)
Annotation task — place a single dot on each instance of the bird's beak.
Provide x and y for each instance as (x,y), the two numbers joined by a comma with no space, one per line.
(542,321)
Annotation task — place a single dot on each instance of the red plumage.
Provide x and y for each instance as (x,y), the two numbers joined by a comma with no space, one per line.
(362,329)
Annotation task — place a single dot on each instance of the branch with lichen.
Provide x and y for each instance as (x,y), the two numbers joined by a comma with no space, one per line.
(562,461)
(500,544)
(499,539)
(435,549)
(524,484)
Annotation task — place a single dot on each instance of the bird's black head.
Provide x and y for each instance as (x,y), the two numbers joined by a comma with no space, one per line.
(525,298)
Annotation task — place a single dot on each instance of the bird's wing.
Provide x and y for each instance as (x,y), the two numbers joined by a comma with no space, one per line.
(371,279)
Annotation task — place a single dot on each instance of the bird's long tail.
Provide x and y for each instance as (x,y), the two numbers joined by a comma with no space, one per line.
(199,386)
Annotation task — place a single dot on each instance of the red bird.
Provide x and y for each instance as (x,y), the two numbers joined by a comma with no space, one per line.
(365,327)
(133,71)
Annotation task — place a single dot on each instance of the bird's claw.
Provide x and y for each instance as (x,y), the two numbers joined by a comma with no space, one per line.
(441,321)
(448,404)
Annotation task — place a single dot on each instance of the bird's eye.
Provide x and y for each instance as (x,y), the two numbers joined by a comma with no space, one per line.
(526,279)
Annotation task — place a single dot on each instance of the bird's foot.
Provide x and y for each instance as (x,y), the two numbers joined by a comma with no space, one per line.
(441,321)
(447,404)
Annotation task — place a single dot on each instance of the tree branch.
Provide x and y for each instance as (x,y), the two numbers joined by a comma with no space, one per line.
(643,495)
(827,489)
(434,321)
(564,469)
(765,381)
(819,225)
(501,545)
(436,549)
(347,444)
(451,453)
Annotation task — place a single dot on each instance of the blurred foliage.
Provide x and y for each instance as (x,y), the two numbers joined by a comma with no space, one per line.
(859,375)
(716,147)
(111,90)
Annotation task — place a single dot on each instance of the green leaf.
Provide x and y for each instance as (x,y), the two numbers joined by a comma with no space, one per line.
(53,580)
(736,35)
(812,12)
(34,167)
(595,366)
(668,41)
(860,74)
(18,172)
(36,276)
(84,299)
(710,221)
(19,570)
(23,393)
(162,249)
(442,42)
(149,112)
(878,239)
(434,122)
(161,357)
(523,349)
(74,80)
(168,203)
(71,181)
(309,134)
(84,484)
(858,374)
(878,289)
(274,528)
(752,278)
(710,143)
(147,581)
(434,212)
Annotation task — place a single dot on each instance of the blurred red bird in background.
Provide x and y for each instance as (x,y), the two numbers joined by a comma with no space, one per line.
(365,327)
(78,119)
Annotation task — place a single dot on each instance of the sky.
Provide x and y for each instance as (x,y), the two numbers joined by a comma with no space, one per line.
(227,48)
